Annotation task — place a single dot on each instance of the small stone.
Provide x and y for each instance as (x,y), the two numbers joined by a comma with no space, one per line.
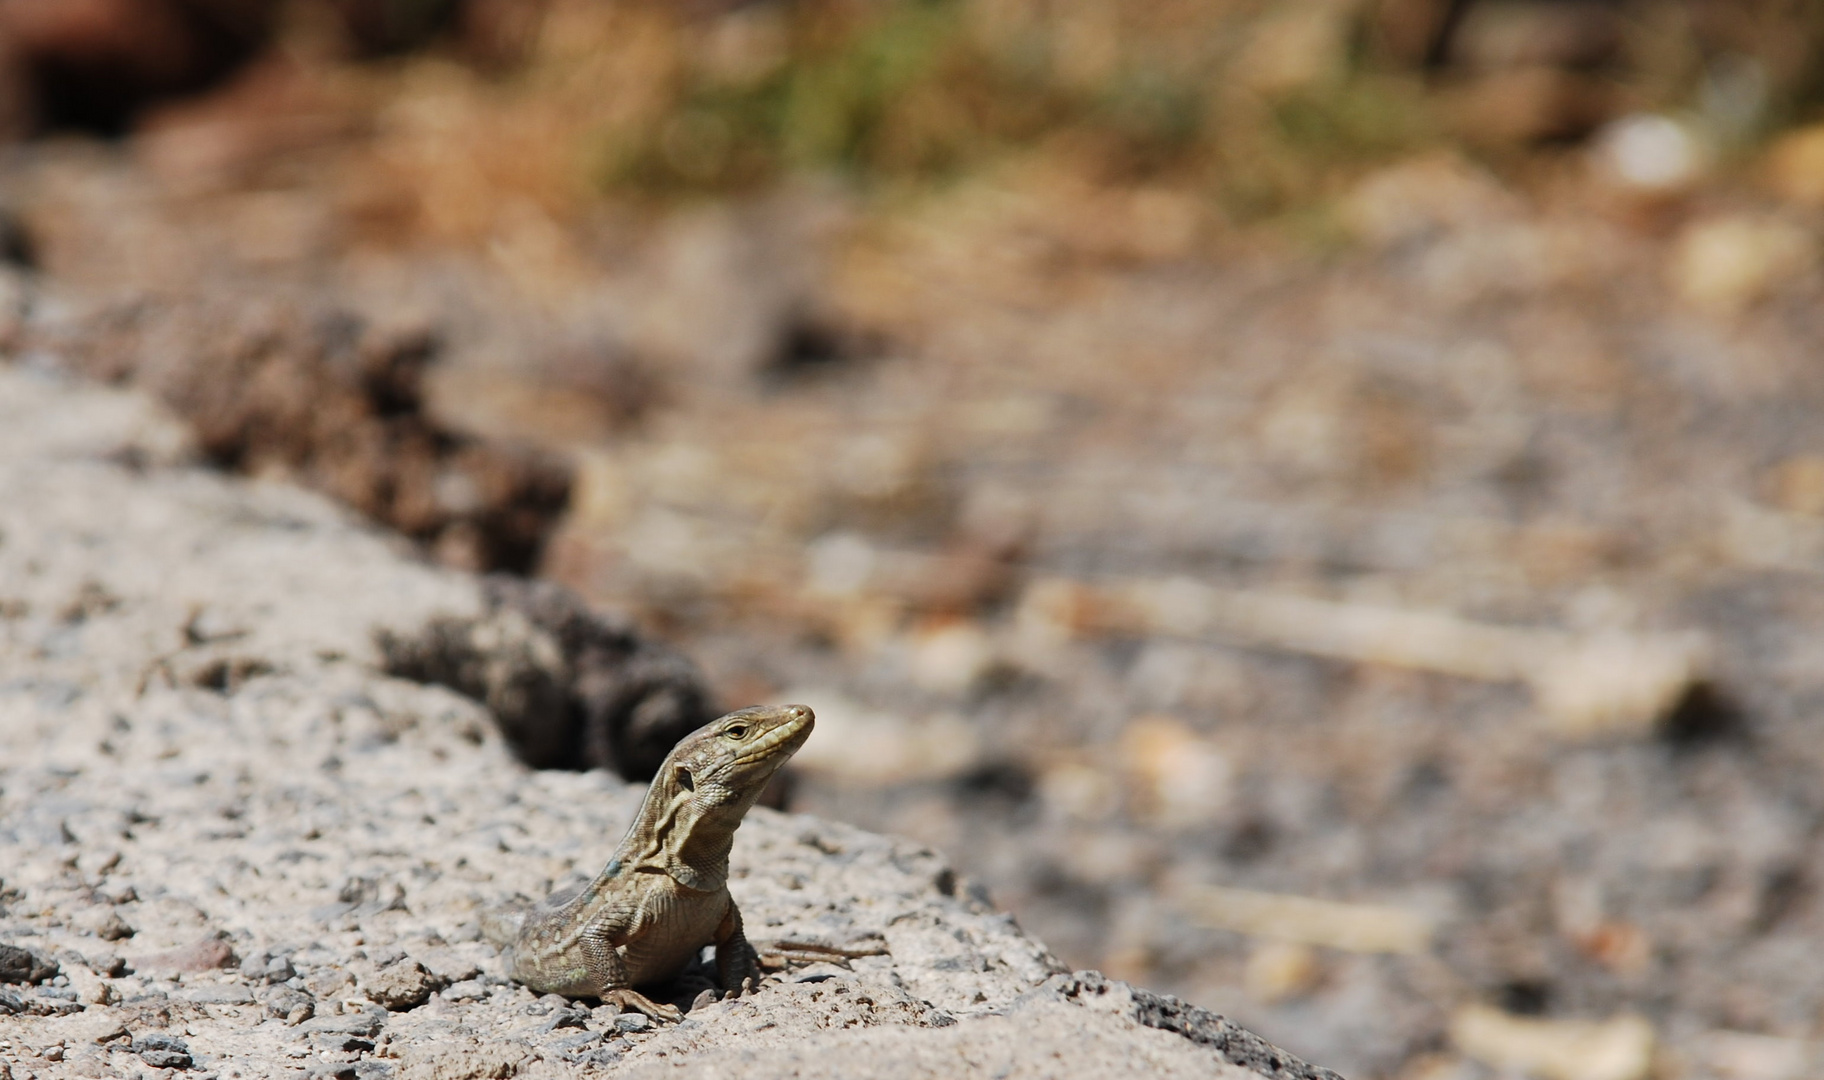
(19,965)
(11,1004)
(465,990)
(565,1018)
(285,1003)
(401,986)
(220,994)
(571,1044)
(633,1022)
(114,928)
(204,954)
(367,1025)
(163,1052)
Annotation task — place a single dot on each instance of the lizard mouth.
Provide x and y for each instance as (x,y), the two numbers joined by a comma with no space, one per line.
(783,740)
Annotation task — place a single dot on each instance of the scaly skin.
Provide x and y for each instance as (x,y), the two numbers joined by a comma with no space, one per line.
(664,894)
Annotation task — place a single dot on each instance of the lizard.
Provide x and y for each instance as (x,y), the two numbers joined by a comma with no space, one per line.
(664,893)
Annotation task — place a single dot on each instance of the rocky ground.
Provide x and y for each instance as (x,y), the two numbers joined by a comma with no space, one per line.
(926,480)
(234,846)
(1390,624)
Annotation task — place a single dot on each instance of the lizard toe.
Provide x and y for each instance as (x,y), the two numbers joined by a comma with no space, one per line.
(634,1001)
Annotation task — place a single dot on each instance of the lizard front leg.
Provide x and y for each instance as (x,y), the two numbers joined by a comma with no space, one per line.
(737,964)
(614,985)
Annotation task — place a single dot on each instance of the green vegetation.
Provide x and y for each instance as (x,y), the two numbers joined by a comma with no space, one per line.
(920,90)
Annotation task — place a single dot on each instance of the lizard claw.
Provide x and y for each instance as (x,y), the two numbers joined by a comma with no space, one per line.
(634,1001)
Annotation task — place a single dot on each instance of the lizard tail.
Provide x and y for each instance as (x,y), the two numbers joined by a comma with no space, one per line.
(501,925)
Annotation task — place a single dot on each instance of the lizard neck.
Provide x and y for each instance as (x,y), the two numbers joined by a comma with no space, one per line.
(700,861)
(668,838)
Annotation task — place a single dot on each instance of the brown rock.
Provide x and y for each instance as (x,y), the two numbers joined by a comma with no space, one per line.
(570,688)
(401,986)
(24,966)
(319,395)
(205,954)
(114,928)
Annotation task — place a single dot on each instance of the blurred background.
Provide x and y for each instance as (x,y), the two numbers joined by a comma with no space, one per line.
(1316,505)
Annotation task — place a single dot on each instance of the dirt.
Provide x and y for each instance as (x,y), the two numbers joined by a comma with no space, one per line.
(838,446)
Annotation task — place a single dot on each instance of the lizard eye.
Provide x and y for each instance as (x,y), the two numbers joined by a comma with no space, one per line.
(735,731)
(685,780)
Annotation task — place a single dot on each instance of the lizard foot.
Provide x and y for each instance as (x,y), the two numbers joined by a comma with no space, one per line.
(634,1001)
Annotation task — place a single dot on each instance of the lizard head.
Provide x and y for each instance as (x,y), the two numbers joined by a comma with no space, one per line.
(719,770)
(707,785)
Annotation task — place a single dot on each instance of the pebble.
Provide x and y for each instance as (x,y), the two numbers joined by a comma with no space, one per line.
(114,928)
(207,953)
(219,994)
(365,1024)
(571,1044)
(19,965)
(565,1018)
(465,990)
(163,1051)
(287,1004)
(265,967)
(402,985)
